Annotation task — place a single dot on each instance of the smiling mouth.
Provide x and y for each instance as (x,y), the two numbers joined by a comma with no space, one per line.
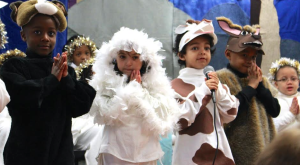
(255,43)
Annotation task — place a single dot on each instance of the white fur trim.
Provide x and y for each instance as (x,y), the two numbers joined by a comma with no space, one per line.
(45,7)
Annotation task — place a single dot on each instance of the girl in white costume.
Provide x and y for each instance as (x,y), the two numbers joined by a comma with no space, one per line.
(134,99)
(285,75)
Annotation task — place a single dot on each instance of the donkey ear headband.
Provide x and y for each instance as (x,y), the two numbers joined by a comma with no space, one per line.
(23,12)
(241,37)
(194,29)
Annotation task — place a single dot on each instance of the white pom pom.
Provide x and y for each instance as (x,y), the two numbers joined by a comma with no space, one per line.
(44,7)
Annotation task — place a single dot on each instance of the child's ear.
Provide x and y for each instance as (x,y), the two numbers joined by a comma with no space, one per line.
(23,36)
(275,84)
(227,54)
(181,56)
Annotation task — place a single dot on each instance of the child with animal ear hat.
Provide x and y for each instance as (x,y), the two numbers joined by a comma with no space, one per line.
(253,127)
(45,94)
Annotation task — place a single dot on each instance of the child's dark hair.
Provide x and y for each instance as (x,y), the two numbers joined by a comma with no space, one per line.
(183,51)
(71,39)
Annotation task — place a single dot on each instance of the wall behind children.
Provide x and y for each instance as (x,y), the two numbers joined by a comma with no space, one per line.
(100,19)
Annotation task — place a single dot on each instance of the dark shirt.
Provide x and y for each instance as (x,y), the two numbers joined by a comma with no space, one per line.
(41,109)
(262,94)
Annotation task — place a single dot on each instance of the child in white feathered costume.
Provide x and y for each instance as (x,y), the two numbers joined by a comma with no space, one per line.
(134,99)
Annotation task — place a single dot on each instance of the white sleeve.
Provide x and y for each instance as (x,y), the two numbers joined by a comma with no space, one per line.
(109,105)
(155,109)
(285,116)
(4,96)
(226,103)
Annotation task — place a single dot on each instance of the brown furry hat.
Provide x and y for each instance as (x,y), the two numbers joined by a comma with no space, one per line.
(23,12)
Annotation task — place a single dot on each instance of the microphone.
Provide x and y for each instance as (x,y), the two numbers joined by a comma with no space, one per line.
(206,70)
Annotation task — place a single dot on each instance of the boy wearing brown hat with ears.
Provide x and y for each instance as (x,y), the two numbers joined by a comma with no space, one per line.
(253,127)
(44,92)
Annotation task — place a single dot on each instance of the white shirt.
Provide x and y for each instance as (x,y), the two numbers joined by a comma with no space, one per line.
(285,118)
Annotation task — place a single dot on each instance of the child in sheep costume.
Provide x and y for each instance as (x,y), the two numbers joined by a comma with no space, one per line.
(137,110)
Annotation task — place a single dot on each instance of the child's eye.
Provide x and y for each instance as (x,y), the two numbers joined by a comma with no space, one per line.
(207,48)
(78,54)
(135,57)
(194,48)
(37,32)
(253,57)
(51,34)
(294,78)
(244,55)
(284,79)
(122,56)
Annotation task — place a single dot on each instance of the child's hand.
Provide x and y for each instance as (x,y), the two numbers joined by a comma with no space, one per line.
(65,59)
(213,82)
(135,75)
(57,67)
(295,106)
(254,76)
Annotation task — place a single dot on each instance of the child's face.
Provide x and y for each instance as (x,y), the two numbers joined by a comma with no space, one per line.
(241,61)
(287,81)
(197,53)
(128,61)
(40,34)
(81,54)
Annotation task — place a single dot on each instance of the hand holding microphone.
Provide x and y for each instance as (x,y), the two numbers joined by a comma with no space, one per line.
(212,80)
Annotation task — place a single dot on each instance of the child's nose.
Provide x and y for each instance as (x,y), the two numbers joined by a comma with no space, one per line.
(45,37)
(202,51)
(83,57)
(129,62)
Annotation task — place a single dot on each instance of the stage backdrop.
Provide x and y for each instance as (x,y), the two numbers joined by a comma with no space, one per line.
(100,19)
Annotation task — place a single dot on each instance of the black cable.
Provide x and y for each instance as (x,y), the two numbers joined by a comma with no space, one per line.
(216,133)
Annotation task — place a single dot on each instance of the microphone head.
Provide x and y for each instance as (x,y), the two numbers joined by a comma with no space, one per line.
(208,69)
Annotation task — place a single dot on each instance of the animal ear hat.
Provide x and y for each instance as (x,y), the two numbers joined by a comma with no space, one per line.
(241,37)
(193,29)
(23,12)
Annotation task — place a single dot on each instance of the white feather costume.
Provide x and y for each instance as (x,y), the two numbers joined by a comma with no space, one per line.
(134,114)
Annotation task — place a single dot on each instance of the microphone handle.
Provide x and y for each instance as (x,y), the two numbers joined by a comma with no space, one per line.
(213,95)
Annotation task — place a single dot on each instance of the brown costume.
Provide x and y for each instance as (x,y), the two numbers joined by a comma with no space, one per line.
(253,127)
